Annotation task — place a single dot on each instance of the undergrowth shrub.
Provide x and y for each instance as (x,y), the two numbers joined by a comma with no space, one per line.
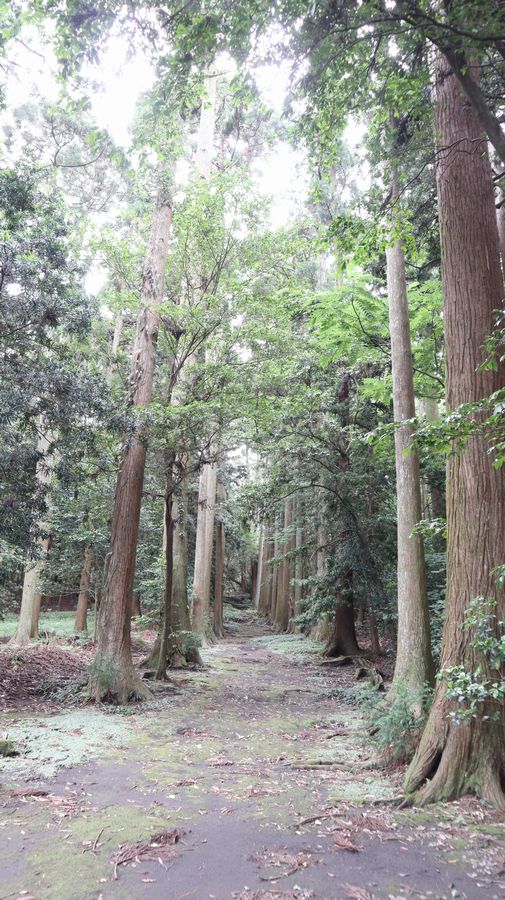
(394,726)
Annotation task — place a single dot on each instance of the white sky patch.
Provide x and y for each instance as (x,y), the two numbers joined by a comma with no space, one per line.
(123,79)
(283,175)
(273,83)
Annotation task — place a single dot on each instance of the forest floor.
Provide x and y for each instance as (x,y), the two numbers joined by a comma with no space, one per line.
(249,779)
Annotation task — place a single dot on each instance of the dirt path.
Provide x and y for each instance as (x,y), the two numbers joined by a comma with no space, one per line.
(240,759)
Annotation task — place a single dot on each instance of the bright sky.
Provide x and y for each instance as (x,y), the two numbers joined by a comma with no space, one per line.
(120,80)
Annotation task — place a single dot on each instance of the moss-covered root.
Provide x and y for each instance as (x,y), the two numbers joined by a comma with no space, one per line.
(453,760)
(116,681)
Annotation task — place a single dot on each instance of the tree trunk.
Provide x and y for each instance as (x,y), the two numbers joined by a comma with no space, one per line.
(183,644)
(261,565)
(500,219)
(343,640)
(136,606)
(219,574)
(282,604)
(81,615)
(28,621)
(166,627)
(414,663)
(467,757)
(113,676)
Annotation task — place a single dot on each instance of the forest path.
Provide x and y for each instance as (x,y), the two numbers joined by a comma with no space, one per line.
(241,759)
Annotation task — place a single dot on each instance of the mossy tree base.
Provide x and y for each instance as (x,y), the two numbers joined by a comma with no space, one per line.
(117,682)
(453,760)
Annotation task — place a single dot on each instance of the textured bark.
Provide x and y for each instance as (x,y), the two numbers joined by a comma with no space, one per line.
(207,482)
(298,570)
(261,564)
(28,620)
(275,572)
(414,663)
(168,531)
(282,609)
(266,573)
(467,757)
(183,648)
(81,614)
(113,675)
(219,573)
(342,640)
(500,220)
(199,612)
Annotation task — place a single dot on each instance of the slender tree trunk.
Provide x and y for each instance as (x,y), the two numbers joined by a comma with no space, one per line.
(261,565)
(282,605)
(81,615)
(429,409)
(28,621)
(166,628)
(219,575)
(414,663)
(113,675)
(183,644)
(209,539)
(468,757)
(275,572)
(207,482)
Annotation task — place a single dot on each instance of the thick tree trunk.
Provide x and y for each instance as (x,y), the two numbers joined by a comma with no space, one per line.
(500,220)
(343,640)
(466,757)
(219,573)
(414,663)
(28,621)
(113,675)
(81,615)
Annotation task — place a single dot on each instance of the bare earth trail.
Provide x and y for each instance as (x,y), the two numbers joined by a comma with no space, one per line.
(261,766)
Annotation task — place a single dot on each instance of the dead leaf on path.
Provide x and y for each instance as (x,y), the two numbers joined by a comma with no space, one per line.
(344,843)
(160,846)
(357,893)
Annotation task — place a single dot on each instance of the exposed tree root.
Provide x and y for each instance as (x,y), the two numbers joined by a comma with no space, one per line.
(453,760)
(116,682)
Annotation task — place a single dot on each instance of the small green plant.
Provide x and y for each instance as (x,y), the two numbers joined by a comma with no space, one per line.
(396,726)
(474,692)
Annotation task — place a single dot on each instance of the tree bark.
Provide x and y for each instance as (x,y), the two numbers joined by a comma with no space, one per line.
(261,565)
(467,757)
(414,663)
(183,644)
(81,615)
(343,640)
(113,676)
(219,574)
(28,621)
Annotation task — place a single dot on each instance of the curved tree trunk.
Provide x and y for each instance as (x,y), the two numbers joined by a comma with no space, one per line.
(466,757)
(113,675)
(414,663)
